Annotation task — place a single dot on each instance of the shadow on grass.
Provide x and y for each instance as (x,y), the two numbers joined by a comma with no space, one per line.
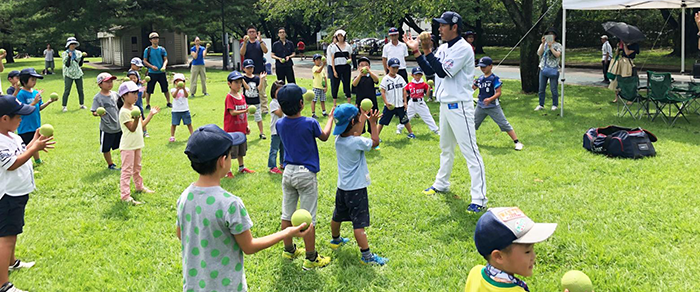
(99,175)
(458,212)
(292,271)
(119,211)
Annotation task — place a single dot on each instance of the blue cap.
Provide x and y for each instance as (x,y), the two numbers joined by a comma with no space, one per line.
(393,62)
(290,93)
(234,75)
(248,63)
(417,70)
(9,105)
(30,72)
(208,143)
(450,18)
(393,31)
(500,227)
(13,73)
(343,114)
(485,61)
(469,32)
(317,56)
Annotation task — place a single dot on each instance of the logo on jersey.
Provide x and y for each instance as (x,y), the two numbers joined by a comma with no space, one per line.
(449,64)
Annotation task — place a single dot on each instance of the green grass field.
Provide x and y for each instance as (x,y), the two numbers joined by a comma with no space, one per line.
(631,225)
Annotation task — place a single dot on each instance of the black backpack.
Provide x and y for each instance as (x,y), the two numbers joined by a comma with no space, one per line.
(616,141)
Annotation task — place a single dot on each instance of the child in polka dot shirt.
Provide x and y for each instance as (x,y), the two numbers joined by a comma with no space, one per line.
(213,225)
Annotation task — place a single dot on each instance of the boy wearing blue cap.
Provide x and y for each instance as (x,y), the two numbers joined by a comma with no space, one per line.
(417,91)
(13,78)
(505,237)
(213,225)
(252,87)
(16,181)
(394,96)
(236,116)
(301,164)
(28,95)
(488,105)
(351,203)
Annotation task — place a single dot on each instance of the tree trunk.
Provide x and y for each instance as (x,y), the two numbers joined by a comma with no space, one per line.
(529,63)
(10,54)
(479,30)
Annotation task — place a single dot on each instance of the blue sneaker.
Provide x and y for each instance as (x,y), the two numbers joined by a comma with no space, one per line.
(374,260)
(474,208)
(430,191)
(341,241)
(411,136)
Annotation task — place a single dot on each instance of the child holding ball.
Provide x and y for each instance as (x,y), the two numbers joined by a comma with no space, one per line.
(110,131)
(28,95)
(236,117)
(181,108)
(131,141)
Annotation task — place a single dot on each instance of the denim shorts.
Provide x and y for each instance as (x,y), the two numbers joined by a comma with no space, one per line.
(181,116)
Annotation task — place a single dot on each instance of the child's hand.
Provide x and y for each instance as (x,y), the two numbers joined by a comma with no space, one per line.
(263,74)
(247,130)
(155,110)
(42,143)
(297,231)
(330,115)
(374,116)
(487,101)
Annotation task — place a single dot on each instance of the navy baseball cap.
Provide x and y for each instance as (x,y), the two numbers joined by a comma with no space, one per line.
(500,227)
(317,56)
(393,62)
(469,32)
(208,143)
(343,114)
(13,73)
(234,75)
(9,105)
(485,61)
(417,70)
(393,31)
(450,18)
(248,63)
(363,59)
(30,72)
(290,93)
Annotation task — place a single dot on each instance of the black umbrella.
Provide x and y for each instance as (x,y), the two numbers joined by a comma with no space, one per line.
(628,33)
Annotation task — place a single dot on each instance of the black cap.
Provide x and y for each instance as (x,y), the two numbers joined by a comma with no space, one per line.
(450,18)
(469,32)
(290,94)
(30,72)
(13,73)
(208,143)
(363,59)
(9,105)
(552,30)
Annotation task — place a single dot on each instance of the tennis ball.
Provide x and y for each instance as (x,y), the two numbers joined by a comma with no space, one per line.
(147,78)
(2,51)
(301,216)
(349,62)
(576,281)
(46,130)
(431,83)
(323,59)
(252,109)
(424,36)
(54,96)
(84,54)
(136,112)
(101,111)
(283,60)
(366,104)
(391,107)
(181,85)
(364,71)
(309,96)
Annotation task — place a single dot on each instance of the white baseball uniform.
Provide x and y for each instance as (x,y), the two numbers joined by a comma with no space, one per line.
(416,106)
(453,64)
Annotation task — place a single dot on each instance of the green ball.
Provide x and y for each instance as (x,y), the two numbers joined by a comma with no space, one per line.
(309,96)
(366,104)
(53,96)
(181,85)
(252,109)
(576,281)
(431,83)
(323,59)
(349,62)
(2,51)
(101,111)
(147,78)
(46,130)
(364,71)
(283,60)
(391,107)
(136,112)
(301,216)
(84,54)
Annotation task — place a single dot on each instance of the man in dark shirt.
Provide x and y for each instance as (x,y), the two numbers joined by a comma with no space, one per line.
(283,52)
(254,48)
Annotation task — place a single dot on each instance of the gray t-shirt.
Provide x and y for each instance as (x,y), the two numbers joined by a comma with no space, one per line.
(109,123)
(208,218)
(274,105)
(48,55)
(353,173)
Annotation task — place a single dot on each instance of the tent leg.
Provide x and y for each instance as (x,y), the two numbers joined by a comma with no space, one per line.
(683,39)
(563,60)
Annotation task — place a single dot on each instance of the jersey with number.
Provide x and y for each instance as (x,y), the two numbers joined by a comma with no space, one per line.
(487,88)
(417,90)
(458,62)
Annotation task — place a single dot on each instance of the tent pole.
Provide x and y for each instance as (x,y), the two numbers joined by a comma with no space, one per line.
(683,38)
(563,59)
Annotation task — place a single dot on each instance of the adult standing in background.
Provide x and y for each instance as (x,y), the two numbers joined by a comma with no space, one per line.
(607,56)
(549,53)
(48,60)
(395,49)
(283,52)
(198,54)
(254,48)
(341,52)
(155,58)
(72,73)
(355,51)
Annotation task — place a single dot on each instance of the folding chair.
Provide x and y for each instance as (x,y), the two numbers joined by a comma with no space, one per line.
(628,91)
(660,92)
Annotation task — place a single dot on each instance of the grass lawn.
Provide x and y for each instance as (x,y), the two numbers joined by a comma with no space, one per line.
(631,225)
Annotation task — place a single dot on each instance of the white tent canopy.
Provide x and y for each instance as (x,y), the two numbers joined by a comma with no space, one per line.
(621,5)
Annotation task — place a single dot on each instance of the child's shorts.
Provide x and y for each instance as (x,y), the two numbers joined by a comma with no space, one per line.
(258,113)
(496,114)
(299,185)
(239,150)
(387,115)
(352,206)
(319,95)
(27,137)
(181,116)
(12,214)
(109,141)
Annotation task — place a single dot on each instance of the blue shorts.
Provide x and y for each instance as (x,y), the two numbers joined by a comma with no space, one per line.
(181,116)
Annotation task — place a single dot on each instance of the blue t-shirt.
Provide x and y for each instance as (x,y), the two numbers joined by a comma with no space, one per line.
(487,88)
(156,58)
(254,52)
(200,55)
(32,121)
(353,173)
(299,139)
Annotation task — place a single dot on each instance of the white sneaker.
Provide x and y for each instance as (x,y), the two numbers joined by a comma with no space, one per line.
(519,146)
(83,107)
(21,265)
(9,287)
(65,109)
(539,107)
(554,107)
(398,132)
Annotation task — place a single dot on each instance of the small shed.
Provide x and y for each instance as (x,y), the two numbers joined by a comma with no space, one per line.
(120,44)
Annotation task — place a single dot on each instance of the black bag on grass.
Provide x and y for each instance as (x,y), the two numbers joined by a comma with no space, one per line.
(615,141)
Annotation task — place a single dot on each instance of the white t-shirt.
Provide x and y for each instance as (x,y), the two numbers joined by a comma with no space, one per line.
(398,51)
(48,55)
(394,88)
(336,48)
(607,49)
(180,103)
(20,181)
(274,105)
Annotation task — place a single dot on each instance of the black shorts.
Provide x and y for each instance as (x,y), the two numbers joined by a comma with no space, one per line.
(109,142)
(160,78)
(352,206)
(27,137)
(12,214)
(387,115)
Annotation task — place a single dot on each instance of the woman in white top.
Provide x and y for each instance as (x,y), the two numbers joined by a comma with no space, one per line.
(340,52)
